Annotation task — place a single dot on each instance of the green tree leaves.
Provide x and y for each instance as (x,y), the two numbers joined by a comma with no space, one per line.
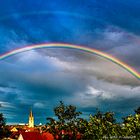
(66,113)
(99,126)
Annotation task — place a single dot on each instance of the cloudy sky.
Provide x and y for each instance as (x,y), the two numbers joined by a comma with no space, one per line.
(41,78)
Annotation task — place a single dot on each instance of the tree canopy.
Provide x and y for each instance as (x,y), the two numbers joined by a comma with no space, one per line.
(66,112)
(99,126)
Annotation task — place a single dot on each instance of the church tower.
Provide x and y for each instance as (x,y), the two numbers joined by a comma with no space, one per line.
(31,119)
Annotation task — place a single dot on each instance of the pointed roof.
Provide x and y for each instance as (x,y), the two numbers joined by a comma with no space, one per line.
(14,129)
(31,113)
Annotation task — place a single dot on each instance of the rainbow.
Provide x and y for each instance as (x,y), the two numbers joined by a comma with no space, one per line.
(77,47)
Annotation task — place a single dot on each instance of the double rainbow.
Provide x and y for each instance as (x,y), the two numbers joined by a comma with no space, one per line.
(77,47)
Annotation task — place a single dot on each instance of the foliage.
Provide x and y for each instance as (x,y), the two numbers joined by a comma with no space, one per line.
(67,125)
(131,125)
(100,125)
(3,129)
(66,113)
(2,120)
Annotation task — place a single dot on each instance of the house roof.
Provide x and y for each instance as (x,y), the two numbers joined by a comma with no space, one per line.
(14,129)
(31,136)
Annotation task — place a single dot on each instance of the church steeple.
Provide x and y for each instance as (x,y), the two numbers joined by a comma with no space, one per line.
(31,113)
(31,119)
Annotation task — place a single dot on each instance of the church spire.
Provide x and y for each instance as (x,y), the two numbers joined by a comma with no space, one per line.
(31,113)
(31,119)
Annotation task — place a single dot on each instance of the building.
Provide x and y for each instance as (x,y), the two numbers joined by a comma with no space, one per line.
(14,129)
(35,136)
(30,136)
(31,120)
(30,132)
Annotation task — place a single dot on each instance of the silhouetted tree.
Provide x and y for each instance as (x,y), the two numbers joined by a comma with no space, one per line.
(2,126)
(66,112)
(2,120)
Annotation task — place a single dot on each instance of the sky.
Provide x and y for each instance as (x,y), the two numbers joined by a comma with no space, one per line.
(39,79)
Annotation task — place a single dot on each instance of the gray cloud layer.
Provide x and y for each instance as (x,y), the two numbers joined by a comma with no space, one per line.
(88,81)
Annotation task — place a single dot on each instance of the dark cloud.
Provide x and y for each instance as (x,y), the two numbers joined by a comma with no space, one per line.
(41,79)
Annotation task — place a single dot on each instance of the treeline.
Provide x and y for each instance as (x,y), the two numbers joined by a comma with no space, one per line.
(69,126)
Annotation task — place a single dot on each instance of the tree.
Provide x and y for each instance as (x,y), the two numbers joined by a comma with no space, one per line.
(132,124)
(66,127)
(2,120)
(2,126)
(101,125)
(66,113)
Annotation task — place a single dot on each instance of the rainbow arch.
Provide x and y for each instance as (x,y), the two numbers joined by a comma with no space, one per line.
(77,47)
